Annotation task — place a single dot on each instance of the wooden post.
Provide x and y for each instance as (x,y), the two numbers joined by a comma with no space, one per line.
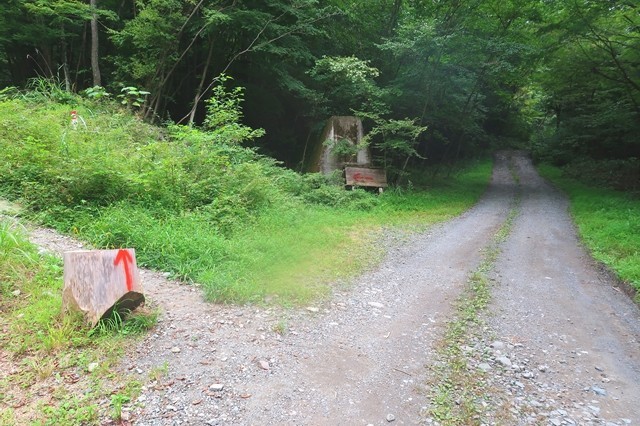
(97,281)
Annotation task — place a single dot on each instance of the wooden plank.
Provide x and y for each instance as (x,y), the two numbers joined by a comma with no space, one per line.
(96,281)
(365,176)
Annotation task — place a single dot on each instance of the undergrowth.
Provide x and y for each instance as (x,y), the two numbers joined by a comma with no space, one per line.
(196,203)
(608,222)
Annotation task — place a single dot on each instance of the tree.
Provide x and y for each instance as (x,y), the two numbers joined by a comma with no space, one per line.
(590,82)
(95,45)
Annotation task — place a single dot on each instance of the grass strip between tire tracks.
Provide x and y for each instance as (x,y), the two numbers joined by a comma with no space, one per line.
(457,390)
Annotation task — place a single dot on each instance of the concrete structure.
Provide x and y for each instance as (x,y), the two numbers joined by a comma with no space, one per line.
(339,129)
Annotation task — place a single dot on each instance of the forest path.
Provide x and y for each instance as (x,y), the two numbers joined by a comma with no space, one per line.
(559,344)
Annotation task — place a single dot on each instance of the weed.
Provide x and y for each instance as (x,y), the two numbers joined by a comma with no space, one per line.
(124,322)
(280,327)
(117,401)
(7,416)
(72,411)
(159,372)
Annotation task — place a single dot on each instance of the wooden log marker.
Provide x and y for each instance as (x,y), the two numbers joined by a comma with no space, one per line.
(97,281)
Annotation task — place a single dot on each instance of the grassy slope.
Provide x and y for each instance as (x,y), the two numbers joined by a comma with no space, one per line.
(202,208)
(291,251)
(608,222)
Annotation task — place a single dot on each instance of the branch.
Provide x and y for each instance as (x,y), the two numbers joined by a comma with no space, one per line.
(252,47)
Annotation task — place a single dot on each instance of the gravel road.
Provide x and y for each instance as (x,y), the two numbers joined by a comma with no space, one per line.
(559,343)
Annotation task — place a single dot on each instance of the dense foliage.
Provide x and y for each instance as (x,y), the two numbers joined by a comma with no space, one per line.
(561,78)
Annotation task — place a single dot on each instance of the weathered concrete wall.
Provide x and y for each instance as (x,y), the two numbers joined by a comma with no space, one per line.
(339,128)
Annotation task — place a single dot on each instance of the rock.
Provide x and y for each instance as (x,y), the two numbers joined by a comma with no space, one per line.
(555,421)
(504,361)
(376,305)
(497,345)
(484,367)
(391,418)
(599,391)
(264,364)
(16,293)
(171,408)
(92,367)
(313,309)
(175,349)
(527,375)
(217,387)
(543,368)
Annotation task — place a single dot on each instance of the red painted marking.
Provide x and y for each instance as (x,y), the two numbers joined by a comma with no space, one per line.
(362,177)
(125,257)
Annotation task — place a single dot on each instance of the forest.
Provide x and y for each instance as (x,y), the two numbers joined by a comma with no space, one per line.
(183,129)
(435,81)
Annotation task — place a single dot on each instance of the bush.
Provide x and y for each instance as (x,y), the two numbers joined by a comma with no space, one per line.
(621,175)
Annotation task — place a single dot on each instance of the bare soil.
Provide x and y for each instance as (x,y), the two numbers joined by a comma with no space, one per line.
(571,337)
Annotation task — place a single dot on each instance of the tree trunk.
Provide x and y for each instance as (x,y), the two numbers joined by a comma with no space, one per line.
(196,99)
(95,68)
(395,16)
(83,46)
(65,63)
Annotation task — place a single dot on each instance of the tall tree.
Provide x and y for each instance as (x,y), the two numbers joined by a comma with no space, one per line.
(95,44)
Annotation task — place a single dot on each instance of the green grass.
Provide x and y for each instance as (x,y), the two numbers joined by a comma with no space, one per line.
(290,253)
(201,207)
(608,222)
(46,347)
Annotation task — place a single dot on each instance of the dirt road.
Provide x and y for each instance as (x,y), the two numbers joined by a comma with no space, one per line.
(558,343)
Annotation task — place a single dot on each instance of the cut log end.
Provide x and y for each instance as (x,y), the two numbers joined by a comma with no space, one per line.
(98,281)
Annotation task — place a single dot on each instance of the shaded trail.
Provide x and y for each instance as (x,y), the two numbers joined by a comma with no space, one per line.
(566,314)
